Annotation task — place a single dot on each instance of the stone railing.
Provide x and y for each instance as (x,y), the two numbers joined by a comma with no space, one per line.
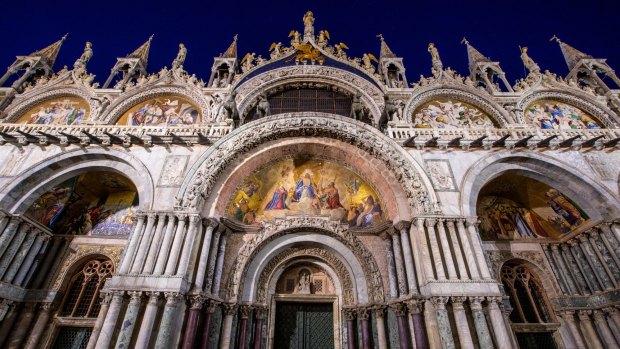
(409,136)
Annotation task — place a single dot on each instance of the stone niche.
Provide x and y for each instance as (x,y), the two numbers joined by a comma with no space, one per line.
(305,279)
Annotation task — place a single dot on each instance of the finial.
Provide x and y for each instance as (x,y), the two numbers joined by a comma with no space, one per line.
(464,41)
(556,39)
(380,36)
(151,37)
(65,36)
(235,37)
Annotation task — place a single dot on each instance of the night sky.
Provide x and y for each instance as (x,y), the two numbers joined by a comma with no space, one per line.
(496,28)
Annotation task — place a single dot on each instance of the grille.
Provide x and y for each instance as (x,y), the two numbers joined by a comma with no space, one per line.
(72,337)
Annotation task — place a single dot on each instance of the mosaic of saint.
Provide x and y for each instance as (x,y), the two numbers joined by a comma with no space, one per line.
(162,111)
(306,187)
(96,203)
(450,114)
(548,114)
(513,207)
(61,111)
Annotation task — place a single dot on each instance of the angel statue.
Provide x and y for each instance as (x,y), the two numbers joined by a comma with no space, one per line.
(85,57)
(322,39)
(275,50)
(340,50)
(296,38)
(529,62)
(309,25)
(180,59)
(367,58)
(247,62)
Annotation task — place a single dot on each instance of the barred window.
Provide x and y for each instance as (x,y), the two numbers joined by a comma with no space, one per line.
(526,295)
(82,298)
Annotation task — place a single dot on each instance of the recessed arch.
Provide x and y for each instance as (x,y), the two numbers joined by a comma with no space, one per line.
(24,103)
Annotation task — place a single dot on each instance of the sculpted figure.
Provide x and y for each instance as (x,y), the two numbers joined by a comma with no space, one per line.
(340,50)
(180,59)
(322,39)
(367,58)
(309,25)
(275,50)
(262,108)
(216,105)
(436,60)
(529,62)
(296,38)
(357,108)
(85,57)
(247,62)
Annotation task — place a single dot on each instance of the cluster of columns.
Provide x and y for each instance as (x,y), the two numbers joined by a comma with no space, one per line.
(588,263)
(22,243)
(595,329)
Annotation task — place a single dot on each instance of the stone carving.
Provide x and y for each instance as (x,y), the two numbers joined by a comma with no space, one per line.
(172,171)
(279,227)
(247,138)
(14,160)
(112,252)
(441,175)
(262,108)
(528,62)
(436,60)
(607,166)
(85,57)
(357,109)
(180,59)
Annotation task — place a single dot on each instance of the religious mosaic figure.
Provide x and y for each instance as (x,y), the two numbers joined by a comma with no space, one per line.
(555,115)
(59,112)
(450,114)
(168,111)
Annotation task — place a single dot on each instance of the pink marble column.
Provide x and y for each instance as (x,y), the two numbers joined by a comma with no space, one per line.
(259,317)
(193,317)
(403,328)
(349,315)
(363,315)
(415,307)
(244,315)
(206,328)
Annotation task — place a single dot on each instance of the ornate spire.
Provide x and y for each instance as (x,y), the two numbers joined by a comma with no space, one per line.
(231,52)
(50,52)
(385,49)
(142,52)
(474,56)
(571,54)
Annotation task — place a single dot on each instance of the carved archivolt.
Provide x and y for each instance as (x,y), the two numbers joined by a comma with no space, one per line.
(112,252)
(280,227)
(601,113)
(206,171)
(249,90)
(128,99)
(318,253)
(485,104)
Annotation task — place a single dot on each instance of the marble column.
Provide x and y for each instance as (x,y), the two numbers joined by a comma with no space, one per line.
(603,329)
(109,324)
(154,246)
(229,312)
(404,337)
(400,264)
(588,330)
(219,264)
(590,258)
(562,270)
(434,248)
(203,259)
(148,320)
(445,332)
(177,244)
(502,337)
(610,249)
(21,254)
(456,247)
(145,243)
(420,253)
(244,316)
(467,250)
(213,258)
(587,276)
(9,232)
(189,245)
(349,316)
(474,239)
(191,325)
(391,268)
(106,297)
(445,247)
(29,261)
(432,327)
(379,312)
(363,315)
(259,317)
(53,250)
(592,235)
(614,316)
(403,227)
(4,220)
(129,322)
(480,323)
(415,307)
(39,326)
(168,323)
(134,240)
(462,327)
(615,229)
(164,251)
(206,327)
(569,320)
(13,248)
(22,326)
(573,272)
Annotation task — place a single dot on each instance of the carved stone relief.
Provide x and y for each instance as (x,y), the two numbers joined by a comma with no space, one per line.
(172,171)
(441,175)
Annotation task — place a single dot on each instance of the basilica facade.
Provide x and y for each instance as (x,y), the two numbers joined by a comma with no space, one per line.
(308,199)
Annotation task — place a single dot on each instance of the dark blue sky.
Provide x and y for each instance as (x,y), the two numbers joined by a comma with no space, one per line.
(496,28)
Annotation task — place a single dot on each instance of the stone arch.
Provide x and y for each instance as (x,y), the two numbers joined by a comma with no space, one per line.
(273,238)
(30,100)
(498,114)
(76,259)
(19,194)
(596,199)
(203,176)
(249,90)
(327,260)
(545,277)
(125,101)
(579,100)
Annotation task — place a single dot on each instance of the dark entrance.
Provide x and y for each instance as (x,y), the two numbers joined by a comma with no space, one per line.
(304,326)
(536,340)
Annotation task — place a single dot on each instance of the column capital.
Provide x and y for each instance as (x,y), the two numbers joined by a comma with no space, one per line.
(196,301)
(598,315)
(582,237)
(400,309)
(611,311)
(457,302)
(363,313)
(245,311)
(430,222)
(194,218)
(117,296)
(151,215)
(440,302)
(402,225)
(584,315)
(472,221)
(415,306)
(135,296)
(181,216)
(572,242)
(554,247)
(475,302)
(260,312)
(567,315)
(153,297)
(172,297)
(379,311)
(229,308)
(210,222)
(212,305)
(47,307)
(349,313)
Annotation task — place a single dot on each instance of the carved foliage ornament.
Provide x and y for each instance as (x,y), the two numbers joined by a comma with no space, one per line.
(279,227)
(198,187)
